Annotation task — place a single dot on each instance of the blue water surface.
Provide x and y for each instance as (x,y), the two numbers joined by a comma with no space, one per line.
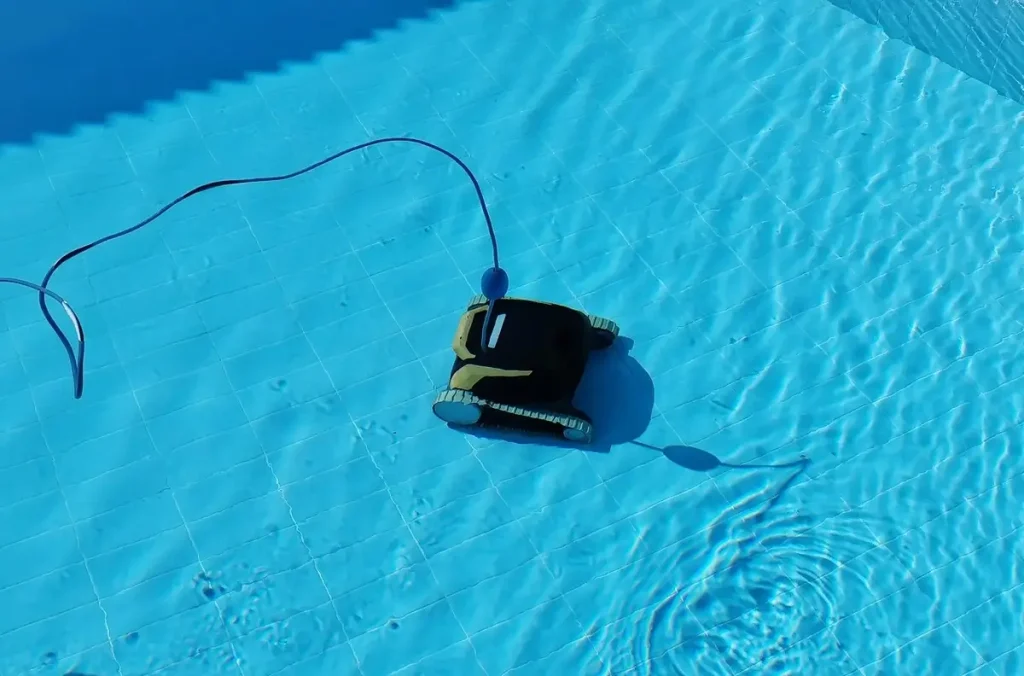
(806,220)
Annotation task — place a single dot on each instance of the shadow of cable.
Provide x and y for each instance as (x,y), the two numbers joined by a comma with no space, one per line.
(696,460)
(618,395)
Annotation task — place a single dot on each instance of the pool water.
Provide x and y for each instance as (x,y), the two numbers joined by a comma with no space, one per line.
(808,440)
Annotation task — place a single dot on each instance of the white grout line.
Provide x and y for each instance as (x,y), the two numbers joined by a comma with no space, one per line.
(89,573)
(184,522)
(358,431)
(539,556)
(278,490)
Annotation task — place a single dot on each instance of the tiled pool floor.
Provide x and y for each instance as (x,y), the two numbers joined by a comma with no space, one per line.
(808,461)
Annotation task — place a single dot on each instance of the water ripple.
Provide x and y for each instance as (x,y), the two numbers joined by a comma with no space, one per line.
(759,569)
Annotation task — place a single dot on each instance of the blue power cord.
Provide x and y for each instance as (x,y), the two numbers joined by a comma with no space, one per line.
(78,355)
(494,283)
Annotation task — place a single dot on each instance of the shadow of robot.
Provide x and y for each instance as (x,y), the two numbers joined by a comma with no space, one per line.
(617,394)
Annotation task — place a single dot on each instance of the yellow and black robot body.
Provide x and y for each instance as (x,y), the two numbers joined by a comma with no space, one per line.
(517,367)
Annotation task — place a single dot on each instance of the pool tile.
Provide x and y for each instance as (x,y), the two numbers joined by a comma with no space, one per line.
(962,591)
(293,639)
(882,628)
(446,527)
(128,524)
(46,596)
(205,458)
(40,555)
(139,480)
(407,591)
(245,521)
(248,609)
(493,553)
(253,561)
(118,570)
(561,479)
(245,481)
(986,629)
(394,550)
(333,660)
(574,518)
(508,645)
(575,563)
(408,639)
(436,488)
(579,657)
(82,642)
(944,644)
(342,526)
(301,386)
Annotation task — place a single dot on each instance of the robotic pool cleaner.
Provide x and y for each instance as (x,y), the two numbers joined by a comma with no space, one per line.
(518,362)
(521,370)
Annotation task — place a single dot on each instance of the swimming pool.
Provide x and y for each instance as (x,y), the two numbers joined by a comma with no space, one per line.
(805,462)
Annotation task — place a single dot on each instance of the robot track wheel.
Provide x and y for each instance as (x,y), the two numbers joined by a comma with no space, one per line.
(458,407)
(605,331)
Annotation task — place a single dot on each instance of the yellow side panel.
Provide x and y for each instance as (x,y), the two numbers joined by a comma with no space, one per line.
(469,375)
(462,334)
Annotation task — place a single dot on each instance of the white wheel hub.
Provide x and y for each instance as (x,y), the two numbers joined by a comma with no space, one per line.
(574,435)
(457,412)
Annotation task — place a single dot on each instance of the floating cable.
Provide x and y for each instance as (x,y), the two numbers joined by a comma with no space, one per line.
(494,283)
